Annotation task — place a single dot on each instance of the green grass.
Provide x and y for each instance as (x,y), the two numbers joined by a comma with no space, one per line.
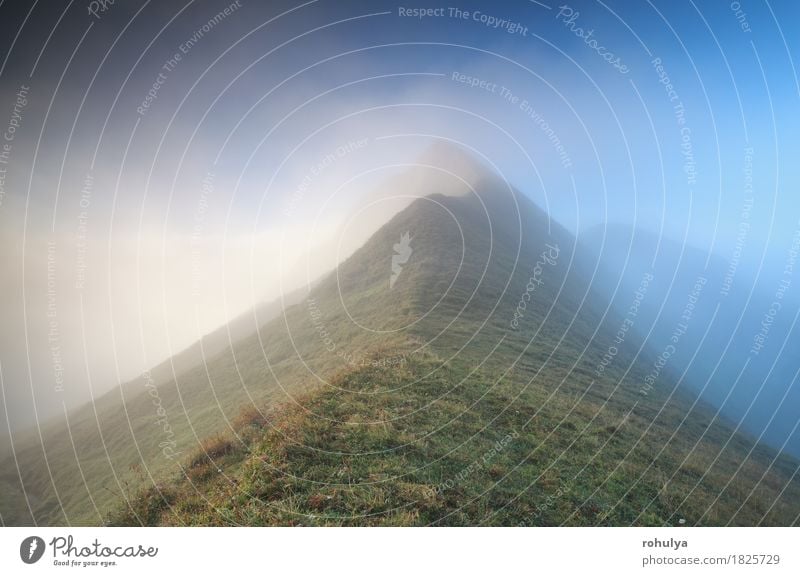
(428,443)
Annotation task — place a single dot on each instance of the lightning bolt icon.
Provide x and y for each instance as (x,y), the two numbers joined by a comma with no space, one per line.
(34,546)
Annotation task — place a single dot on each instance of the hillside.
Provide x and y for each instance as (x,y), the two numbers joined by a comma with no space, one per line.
(462,320)
(376,444)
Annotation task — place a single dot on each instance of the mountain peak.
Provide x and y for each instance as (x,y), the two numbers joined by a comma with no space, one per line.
(452,169)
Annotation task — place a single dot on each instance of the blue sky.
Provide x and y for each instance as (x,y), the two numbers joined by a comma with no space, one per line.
(739,89)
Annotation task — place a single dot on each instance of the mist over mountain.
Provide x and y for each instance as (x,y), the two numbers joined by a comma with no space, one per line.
(454,369)
(734,352)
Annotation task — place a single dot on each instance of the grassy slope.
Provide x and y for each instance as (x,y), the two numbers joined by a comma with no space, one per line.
(456,294)
(423,443)
(373,447)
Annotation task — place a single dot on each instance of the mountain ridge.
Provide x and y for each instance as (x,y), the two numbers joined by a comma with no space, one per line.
(264,480)
(498,320)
